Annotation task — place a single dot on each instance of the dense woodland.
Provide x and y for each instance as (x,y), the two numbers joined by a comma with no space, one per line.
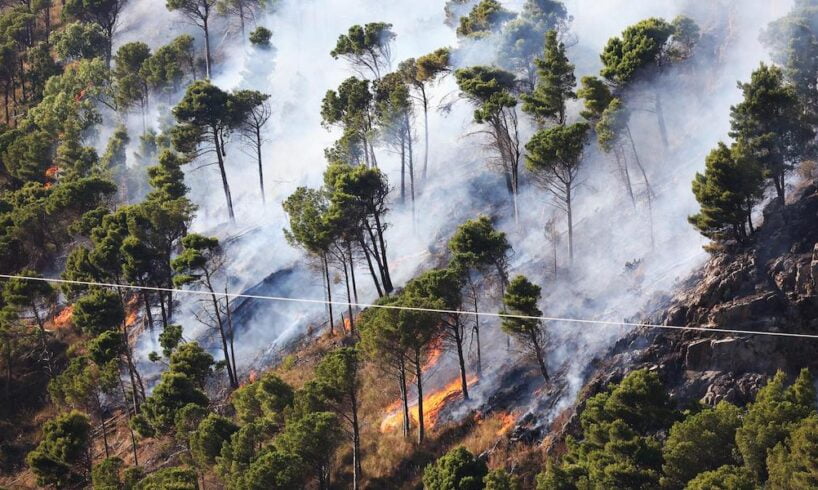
(118,234)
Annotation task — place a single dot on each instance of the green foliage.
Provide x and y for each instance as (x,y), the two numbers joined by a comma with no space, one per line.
(477,244)
(727,477)
(521,298)
(187,420)
(486,17)
(98,311)
(206,442)
(555,83)
(314,438)
(192,361)
(701,442)
(170,338)
(173,478)
(260,37)
(266,398)
(28,156)
(108,475)
(165,70)
(769,123)
(612,125)
(490,89)
(456,470)
(197,259)
(727,191)
(500,479)
(366,47)
(106,347)
(641,46)
(618,449)
(274,470)
(82,383)
(78,40)
(776,411)
(241,451)
(792,464)
(174,391)
(59,456)
(554,154)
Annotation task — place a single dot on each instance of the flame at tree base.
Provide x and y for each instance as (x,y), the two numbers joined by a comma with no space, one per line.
(433,405)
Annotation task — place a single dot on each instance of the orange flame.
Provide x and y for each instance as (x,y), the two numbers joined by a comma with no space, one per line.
(52,171)
(63,318)
(508,419)
(433,404)
(436,350)
(347,324)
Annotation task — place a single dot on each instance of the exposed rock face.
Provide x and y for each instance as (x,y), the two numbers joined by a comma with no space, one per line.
(770,285)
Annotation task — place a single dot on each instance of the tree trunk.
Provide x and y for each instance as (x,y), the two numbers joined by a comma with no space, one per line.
(104,426)
(43,341)
(352,272)
(371,267)
(387,280)
(260,168)
(660,117)
(570,224)
(648,187)
(419,379)
(402,168)
(207,47)
(404,397)
(220,324)
(425,131)
(223,172)
(411,167)
(458,340)
(476,325)
(349,299)
(538,353)
(231,335)
(148,312)
(329,295)
(356,443)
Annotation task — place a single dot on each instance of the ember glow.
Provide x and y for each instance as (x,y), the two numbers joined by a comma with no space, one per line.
(433,405)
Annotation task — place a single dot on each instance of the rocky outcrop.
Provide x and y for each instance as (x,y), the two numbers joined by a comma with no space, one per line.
(769,285)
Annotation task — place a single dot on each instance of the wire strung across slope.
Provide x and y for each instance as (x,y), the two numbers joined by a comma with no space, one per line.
(411,308)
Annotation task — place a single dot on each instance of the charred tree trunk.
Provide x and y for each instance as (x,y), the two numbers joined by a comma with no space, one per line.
(404,396)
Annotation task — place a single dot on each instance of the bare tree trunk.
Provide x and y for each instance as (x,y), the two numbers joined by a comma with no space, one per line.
(540,360)
(419,379)
(260,167)
(43,342)
(352,271)
(208,60)
(371,268)
(648,188)
(570,224)
(402,169)
(223,172)
(404,397)
(329,294)
(660,117)
(425,131)
(349,299)
(387,280)
(356,443)
(458,340)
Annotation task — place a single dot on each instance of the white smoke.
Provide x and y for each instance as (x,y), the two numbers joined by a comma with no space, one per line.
(609,231)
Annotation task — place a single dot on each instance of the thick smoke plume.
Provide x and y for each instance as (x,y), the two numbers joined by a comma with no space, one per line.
(618,268)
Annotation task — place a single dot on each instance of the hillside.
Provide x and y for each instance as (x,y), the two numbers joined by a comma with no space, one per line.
(463,244)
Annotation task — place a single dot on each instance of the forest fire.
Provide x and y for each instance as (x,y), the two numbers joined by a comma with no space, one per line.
(508,419)
(433,405)
(63,318)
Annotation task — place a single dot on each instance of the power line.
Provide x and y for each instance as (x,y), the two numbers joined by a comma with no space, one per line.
(286,299)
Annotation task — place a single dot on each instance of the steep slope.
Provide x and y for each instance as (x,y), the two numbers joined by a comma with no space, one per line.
(768,286)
